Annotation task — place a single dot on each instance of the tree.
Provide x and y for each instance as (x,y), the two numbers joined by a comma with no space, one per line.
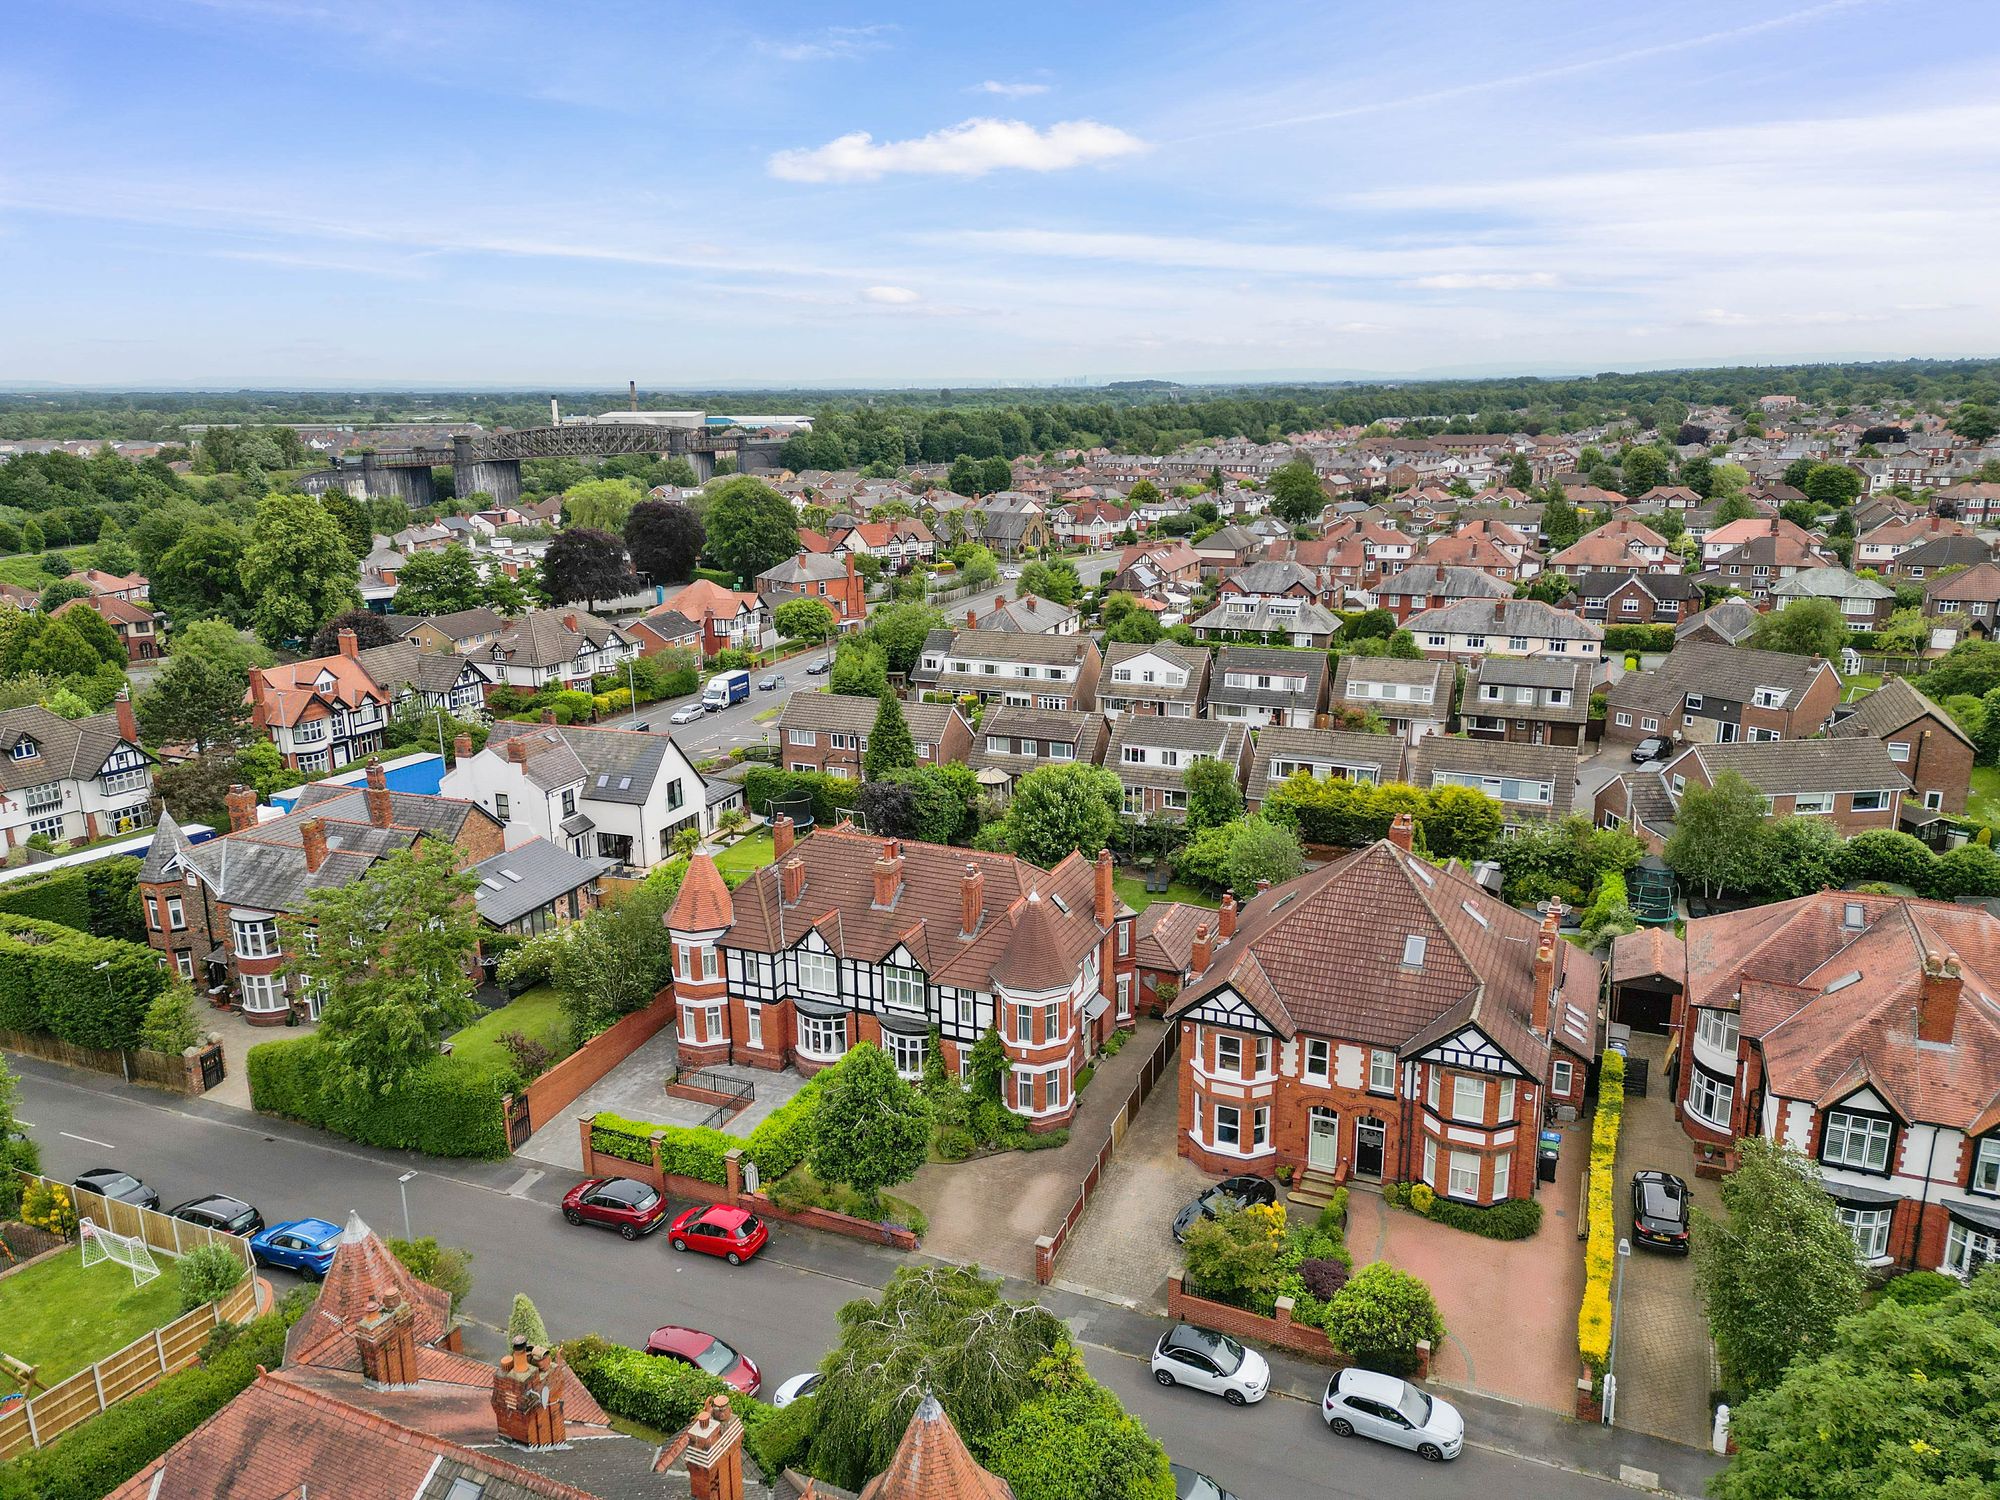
(445,1267)
(1644,468)
(1060,810)
(1380,1317)
(860,669)
(1125,620)
(1561,524)
(1234,1257)
(1295,492)
(1717,838)
(1804,627)
(202,574)
(369,628)
(600,504)
(1800,855)
(890,747)
(1778,1272)
(751,526)
(352,519)
(1459,822)
(1213,797)
(1698,474)
(1831,485)
(871,1129)
(665,539)
(616,959)
(1899,1403)
(298,571)
(900,631)
(1974,423)
(1904,632)
(804,619)
(1972,666)
(392,951)
(524,1321)
(585,564)
(193,789)
(197,700)
(1727,481)
(1074,1438)
(1520,473)
(1145,492)
(59,593)
(171,1024)
(977,566)
(1057,581)
(57,648)
(438,583)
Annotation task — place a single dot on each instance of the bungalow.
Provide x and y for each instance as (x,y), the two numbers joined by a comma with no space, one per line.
(1297,622)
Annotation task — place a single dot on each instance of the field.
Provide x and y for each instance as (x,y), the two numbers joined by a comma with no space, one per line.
(537,1013)
(63,1317)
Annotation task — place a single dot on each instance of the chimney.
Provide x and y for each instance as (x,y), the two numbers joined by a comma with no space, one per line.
(889,874)
(350,643)
(1402,831)
(850,564)
(1937,1004)
(312,833)
(461,748)
(257,717)
(971,619)
(632,386)
(527,1397)
(381,806)
(715,1453)
(1203,948)
(128,724)
(1228,915)
(792,874)
(1106,897)
(1262,886)
(548,716)
(781,836)
(517,749)
(569,622)
(1545,971)
(386,1340)
(971,899)
(242,805)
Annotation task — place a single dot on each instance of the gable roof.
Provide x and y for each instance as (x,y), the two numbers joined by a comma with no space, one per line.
(66,749)
(1889,708)
(1385,754)
(847,713)
(1555,764)
(1778,767)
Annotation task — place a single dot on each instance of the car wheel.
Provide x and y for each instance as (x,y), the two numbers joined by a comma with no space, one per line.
(307,1273)
(630,1231)
(1234,1398)
(573,1216)
(679,1244)
(734,1259)
(1165,1377)
(1341,1427)
(1430,1453)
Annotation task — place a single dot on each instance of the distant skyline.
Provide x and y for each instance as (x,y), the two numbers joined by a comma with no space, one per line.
(507,195)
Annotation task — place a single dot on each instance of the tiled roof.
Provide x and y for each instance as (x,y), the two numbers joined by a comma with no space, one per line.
(1776,767)
(1385,753)
(847,713)
(1979,582)
(1831,583)
(1311,665)
(1444,582)
(1732,619)
(528,877)
(463,624)
(1353,669)
(1649,951)
(545,638)
(932,1463)
(1000,645)
(703,904)
(1661,586)
(1555,764)
(1734,673)
(363,1273)
(1503,617)
(619,765)
(1211,739)
(67,749)
(1889,708)
(1163,935)
(1268,615)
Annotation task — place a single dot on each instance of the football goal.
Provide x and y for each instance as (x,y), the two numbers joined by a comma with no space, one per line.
(129,1250)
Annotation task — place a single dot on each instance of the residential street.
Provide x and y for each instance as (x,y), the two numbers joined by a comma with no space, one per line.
(781,1309)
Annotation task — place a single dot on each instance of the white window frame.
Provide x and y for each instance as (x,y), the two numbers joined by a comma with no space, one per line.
(1503,1173)
(1381,1071)
(1986,1166)
(1870,1227)
(1466,1088)
(1710,1099)
(818,972)
(902,987)
(262,994)
(823,1038)
(1319,1061)
(906,1050)
(1562,1076)
(1228,1052)
(1461,1165)
(1230,1134)
(1430,1162)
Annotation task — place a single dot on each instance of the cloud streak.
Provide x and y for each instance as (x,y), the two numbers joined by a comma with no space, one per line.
(1011,90)
(971,148)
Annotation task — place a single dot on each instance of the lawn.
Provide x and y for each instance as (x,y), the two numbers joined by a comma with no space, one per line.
(1859,685)
(1984,802)
(62,1317)
(746,855)
(1132,891)
(537,1013)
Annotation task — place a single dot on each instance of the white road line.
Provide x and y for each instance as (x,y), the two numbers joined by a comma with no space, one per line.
(88,1141)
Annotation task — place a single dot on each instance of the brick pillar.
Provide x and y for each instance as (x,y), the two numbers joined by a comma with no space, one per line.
(732,1168)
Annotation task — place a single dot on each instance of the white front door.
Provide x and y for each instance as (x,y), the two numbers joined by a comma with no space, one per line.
(1323,1140)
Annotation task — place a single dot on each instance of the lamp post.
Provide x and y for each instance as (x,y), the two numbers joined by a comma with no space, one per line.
(1611,1354)
(124,1057)
(403,1189)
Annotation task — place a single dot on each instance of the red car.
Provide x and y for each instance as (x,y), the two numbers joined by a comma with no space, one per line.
(735,1234)
(706,1352)
(631,1208)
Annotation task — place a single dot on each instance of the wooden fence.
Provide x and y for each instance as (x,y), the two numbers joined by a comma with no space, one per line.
(161,1232)
(1049,1246)
(166,1070)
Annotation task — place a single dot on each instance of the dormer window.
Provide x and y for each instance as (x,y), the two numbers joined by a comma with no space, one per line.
(25,748)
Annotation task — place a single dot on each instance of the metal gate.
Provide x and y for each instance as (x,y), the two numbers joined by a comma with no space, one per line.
(211,1068)
(519,1126)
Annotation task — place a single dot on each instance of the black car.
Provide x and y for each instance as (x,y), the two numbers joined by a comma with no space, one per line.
(1192,1484)
(819,668)
(220,1211)
(1650,748)
(1660,1211)
(1228,1194)
(112,1183)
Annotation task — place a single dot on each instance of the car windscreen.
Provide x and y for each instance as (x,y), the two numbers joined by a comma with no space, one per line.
(716,1358)
(1415,1406)
(242,1221)
(1192,1486)
(642,1198)
(747,1228)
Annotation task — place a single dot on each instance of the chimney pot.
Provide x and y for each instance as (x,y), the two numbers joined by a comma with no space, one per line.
(1227,913)
(781,836)
(792,876)
(971,620)
(242,805)
(1104,894)
(461,747)
(312,835)
(569,621)
(1402,831)
(517,749)
(350,643)
(128,725)
(888,874)
(1545,970)
(381,805)
(548,716)
(1937,1001)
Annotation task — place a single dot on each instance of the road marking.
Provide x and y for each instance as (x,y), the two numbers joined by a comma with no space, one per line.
(88,1141)
(527,1180)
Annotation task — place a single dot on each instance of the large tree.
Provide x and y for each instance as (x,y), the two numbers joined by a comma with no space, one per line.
(1777,1272)
(1056,580)
(393,950)
(1717,840)
(1296,494)
(1060,810)
(804,619)
(665,539)
(751,526)
(600,504)
(860,669)
(298,571)
(369,628)
(352,518)
(195,701)
(900,630)
(1804,627)
(202,574)
(438,583)
(615,960)
(871,1128)
(1213,797)
(585,564)
(890,747)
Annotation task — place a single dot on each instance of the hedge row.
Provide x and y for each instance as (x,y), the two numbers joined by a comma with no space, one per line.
(50,983)
(1638,638)
(778,1144)
(448,1107)
(1593,1319)
(1512,1219)
(664,1394)
(831,795)
(101,899)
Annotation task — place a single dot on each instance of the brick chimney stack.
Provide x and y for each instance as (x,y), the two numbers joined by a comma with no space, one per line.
(889,874)
(517,749)
(781,836)
(1545,970)
(461,748)
(1105,894)
(527,1397)
(258,719)
(381,806)
(1937,1003)
(128,723)
(715,1453)
(792,876)
(386,1340)
(1227,913)
(971,899)
(350,643)
(548,716)
(1403,831)
(312,834)
(971,619)
(242,805)
(569,622)
(1203,949)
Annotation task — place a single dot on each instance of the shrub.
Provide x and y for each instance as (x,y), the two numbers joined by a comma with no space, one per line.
(1380,1317)
(1422,1198)
(171,1024)
(1235,1256)
(205,1274)
(47,1205)
(779,1441)
(530,1054)
(99,898)
(628,1383)
(1593,1322)
(1332,1218)
(450,1106)
(1921,1288)
(1638,638)
(1512,1219)
(956,1143)
(445,1267)
(1324,1276)
(50,983)
(524,1320)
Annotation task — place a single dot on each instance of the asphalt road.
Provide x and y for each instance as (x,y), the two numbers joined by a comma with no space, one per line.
(780,1309)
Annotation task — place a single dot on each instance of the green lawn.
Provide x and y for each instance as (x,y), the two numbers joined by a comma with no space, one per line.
(746,855)
(62,1317)
(1859,685)
(1984,802)
(537,1013)
(1132,891)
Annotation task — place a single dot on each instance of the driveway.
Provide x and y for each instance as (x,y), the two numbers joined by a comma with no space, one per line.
(1595,772)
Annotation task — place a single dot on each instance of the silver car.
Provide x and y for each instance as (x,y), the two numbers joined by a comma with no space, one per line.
(692,714)
(1393,1411)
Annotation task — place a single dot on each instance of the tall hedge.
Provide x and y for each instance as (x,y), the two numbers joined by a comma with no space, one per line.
(778,1144)
(50,983)
(831,795)
(1593,1319)
(99,898)
(1638,638)
(448,1107)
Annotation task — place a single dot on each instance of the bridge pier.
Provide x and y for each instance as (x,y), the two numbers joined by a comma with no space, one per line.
(412,486)
(758,455)
(703,464)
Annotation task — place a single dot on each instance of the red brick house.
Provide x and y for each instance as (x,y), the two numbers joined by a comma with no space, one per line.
(1973,592)
(1636,598)
(135,623)
(1851,783)
(1618,547)
(1922,740)
(1427,1053)
(1706,693)
(816,575)
(829,732)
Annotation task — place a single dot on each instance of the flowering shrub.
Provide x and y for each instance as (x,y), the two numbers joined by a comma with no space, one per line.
(1593,1321)
(47,1205)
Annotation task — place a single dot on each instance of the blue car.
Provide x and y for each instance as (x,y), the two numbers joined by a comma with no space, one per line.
(302,1245)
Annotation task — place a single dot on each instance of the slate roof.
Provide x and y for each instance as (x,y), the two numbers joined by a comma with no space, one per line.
(845,713)
(68,749)
(1552,763)
(401,664)
(1831,583)
(528,877)
(1735,673)
(1265,659)
(1732,619)
(1889,708)
(1303,617)
(1677,587)
(1386,754)
(1008,646)
(1776,767)
(1352,669)
(1207,739)
(1088,732)
(1271,577)
(1027,615)
(1943,552)
(1504,617)
(1443,582)
(619,765)
(541,639)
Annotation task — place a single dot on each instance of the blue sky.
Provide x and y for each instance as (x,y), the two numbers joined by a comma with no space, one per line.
(347,191)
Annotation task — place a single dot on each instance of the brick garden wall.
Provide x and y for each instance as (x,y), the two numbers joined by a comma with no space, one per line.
(557,1089)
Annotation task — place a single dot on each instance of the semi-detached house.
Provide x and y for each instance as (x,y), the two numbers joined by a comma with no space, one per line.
(1413,698)
(1162,679)
(72,780)
(1022,671)
(829,732)
(1151,756)
(1281,753)
(1707,693)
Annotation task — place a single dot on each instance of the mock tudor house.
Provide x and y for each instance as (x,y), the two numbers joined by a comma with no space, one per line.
(1537,700)
(1714,694)
(1295,622)
(1427,1052)
(1862,1030)
(1259,685)
(1151,755)
(1412,697)
(568,645)
(1281,752)
(72,780)
(829,732)
(998,666)
(1923,741)
(848,938)
(1014,741)
(1162,679)
(330,711)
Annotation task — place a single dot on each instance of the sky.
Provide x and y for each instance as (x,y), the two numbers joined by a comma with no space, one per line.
(363,192)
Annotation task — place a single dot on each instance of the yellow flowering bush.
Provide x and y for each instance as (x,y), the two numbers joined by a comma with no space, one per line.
(47,1205)
(1593,1320)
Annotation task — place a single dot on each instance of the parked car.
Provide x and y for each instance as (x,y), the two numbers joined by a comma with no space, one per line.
(632,1208)
(1192,1484)
(123,1186)
(735,1234)
(220,1211)
(302,1245)
(1225,1197)
(1393,1411)
(706,1352)
(797,1386)
(772,683)
(1210,1361)
(820,668)
(1660,1211)
(1651,748)
(1010,572)
(692,714)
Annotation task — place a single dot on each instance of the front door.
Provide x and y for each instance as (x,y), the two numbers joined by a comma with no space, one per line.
(1323,1140)
(1369,1134)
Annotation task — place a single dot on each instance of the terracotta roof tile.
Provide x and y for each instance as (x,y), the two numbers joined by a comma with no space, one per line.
(932,1463)
(703,903)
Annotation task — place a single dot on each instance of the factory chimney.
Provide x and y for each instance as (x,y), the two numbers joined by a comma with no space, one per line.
(632,386)
(555,417)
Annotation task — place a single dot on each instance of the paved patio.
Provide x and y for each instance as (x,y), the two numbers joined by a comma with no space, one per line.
(238,1037)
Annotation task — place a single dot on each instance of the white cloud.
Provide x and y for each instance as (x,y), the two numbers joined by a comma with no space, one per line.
(1490,281)
(1011,90)
(833,44)
(969,149)
(890,296)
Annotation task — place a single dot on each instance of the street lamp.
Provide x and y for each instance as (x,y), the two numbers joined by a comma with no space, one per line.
(403,1188)
(1611,1354)
(124,1057)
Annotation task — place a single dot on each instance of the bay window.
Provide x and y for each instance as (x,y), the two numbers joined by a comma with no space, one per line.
(907,1050)
(1711,1099)
(1870,1228)
(262,994)
(823,1036)
(1718,1028)
(1228,1053)
(1967,1249)
(255,937)
(1468,1099)
(1228,1126)
(1464,1182)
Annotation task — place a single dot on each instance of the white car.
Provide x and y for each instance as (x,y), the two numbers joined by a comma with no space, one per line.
(1010,572)
(1213,1362)
(797,1386)
(692,714)
(1393,1411)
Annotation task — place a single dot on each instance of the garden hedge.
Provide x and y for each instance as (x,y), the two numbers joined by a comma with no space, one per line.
(100,899)
(662,1393)
(778,1144)
(447,1107)
(1593,1319)
(50,983)
(1638,638)
(831,795)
